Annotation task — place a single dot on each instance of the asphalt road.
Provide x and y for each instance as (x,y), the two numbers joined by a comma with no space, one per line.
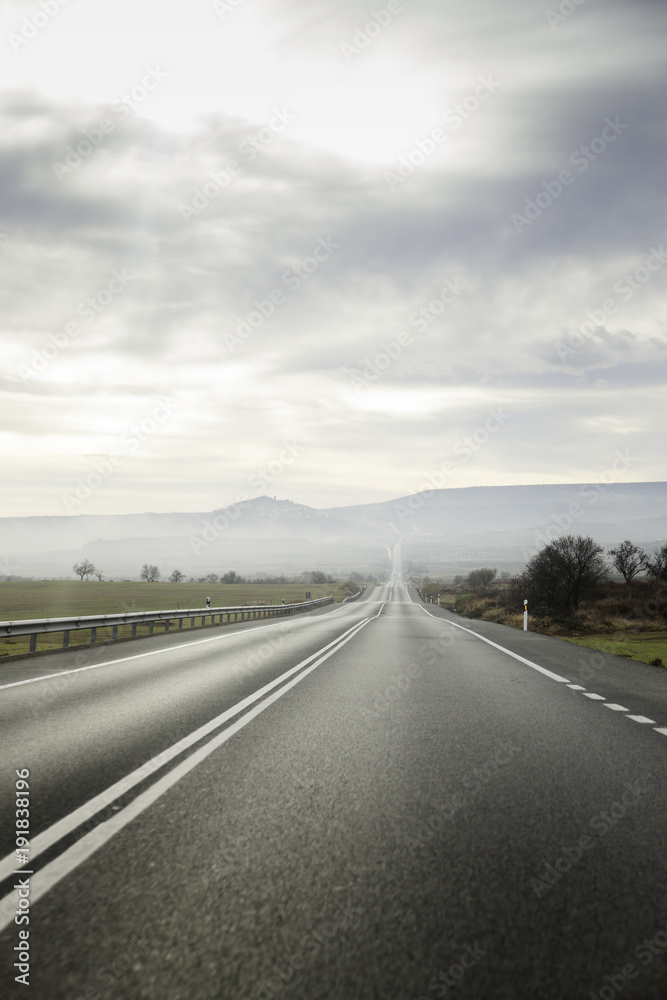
(379,801)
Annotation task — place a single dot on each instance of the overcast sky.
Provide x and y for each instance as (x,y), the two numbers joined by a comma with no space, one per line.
(330,251)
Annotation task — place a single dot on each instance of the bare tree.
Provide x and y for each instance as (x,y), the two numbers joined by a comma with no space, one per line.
(84,569)
(151,574)
(177,576)
(628,559)
(656,564)
(563,573)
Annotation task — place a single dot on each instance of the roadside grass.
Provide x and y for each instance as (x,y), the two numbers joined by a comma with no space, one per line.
(628,621)
(645,647)
(34,599)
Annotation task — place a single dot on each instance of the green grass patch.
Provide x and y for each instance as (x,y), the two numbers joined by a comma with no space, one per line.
(32,599)
(645,647)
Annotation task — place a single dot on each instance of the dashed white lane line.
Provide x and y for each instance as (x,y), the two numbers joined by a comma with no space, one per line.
(642,719)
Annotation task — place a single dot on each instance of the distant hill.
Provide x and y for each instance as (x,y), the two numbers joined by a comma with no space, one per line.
(444,531)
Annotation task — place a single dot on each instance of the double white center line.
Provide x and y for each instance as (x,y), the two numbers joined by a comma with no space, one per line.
(66,862)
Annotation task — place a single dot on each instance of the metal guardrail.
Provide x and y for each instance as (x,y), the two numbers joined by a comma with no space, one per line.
(42,626)
(353,597)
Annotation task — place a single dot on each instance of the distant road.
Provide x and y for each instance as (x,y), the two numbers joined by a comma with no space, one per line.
(382,800)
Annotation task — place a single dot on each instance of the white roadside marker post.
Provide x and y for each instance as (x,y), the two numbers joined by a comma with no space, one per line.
(525,616)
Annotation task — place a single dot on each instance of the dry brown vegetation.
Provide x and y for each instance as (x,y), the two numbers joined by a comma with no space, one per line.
(640,606)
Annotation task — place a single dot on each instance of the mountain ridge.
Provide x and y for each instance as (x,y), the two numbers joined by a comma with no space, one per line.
(507,522)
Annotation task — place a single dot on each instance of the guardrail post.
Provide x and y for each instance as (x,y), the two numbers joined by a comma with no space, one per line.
(65,638)
(134,628)
(33,643)
(114,631)
(166,625)
(180,623)
(150,627)
(93,635)
(192,622)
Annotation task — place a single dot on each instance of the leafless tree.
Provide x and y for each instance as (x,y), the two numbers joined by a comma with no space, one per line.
(656,564)
(563,573)
(151,574)
(84,569)
(628,559)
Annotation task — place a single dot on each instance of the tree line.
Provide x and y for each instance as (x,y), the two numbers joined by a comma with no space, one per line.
(570,568)
(151,574)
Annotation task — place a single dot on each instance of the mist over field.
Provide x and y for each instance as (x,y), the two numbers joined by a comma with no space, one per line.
(443,531)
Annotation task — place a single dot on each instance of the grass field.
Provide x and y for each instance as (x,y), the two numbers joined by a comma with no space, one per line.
(59,599)
(645,647)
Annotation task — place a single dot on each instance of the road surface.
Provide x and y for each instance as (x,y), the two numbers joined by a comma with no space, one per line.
(380,800)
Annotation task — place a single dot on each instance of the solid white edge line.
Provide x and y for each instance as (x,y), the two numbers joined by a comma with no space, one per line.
(522,659)
(155,652)
(79,852)
(86,811)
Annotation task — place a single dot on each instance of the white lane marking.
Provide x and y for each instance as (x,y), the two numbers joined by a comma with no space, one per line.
(556,677)
(662,729)
(522,659)
(67,824)
(615,708)
(165,649)
(61,866)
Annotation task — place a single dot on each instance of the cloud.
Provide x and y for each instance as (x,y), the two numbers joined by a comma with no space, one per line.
(234,299)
